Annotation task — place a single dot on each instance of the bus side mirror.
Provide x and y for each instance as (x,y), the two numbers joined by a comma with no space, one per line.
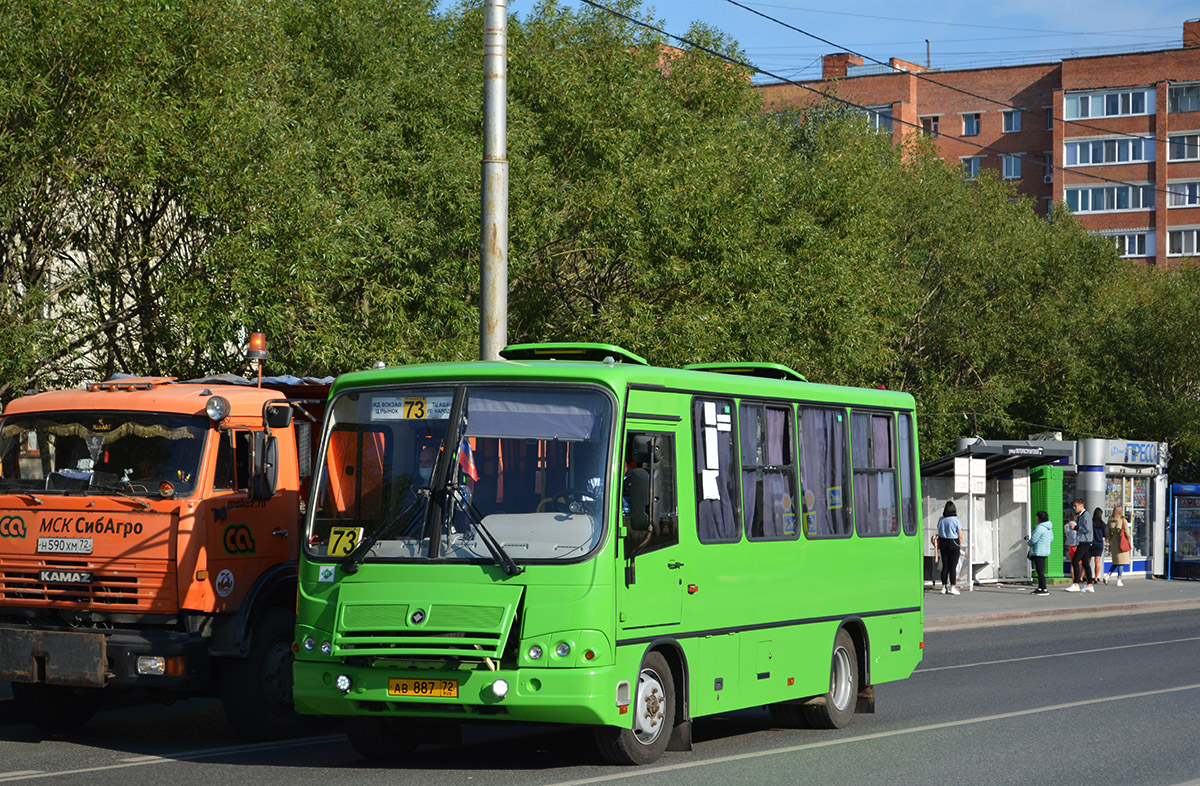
(644,449)
(636,490)
(264,473)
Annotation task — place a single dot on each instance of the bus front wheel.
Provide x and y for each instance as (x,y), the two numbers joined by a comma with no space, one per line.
(838,706)
(653,719)
(382,739)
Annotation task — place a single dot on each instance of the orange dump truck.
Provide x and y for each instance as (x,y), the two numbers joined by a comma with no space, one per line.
(148,543)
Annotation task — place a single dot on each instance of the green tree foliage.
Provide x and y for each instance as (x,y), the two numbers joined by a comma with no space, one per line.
(176,174)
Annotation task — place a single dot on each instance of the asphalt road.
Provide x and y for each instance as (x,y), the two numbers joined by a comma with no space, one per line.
(1073,700)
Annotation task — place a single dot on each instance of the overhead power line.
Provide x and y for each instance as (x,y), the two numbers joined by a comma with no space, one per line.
(845,102)
(930,80)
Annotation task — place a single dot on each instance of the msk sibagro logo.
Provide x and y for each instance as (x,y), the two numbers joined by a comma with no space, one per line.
(239,539)
(12,527)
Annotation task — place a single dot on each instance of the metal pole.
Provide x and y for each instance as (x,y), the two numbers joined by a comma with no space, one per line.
(493,228)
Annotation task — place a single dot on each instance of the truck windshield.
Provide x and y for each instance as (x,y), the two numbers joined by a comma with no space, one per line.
(529,468)
(125,452)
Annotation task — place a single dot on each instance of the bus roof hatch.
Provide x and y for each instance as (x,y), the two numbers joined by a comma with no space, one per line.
(571,351)
(766,370)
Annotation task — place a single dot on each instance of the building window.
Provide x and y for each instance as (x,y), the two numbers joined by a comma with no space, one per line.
(1184,148)
(1183,242)
(880,118)
(1133,244)
(930,124)
(1012,167)
(1049,112)
(1047,167)
(1012,120)
(1183,194)
(1185,98)
(971,124)
(971,166)
(1134,102)
(1101,199)
(1108,151)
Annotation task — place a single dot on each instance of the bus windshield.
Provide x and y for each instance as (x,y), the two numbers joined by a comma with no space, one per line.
(526,467)
(101,452)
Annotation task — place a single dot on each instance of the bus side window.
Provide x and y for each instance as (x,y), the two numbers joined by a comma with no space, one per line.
(823,472)
(716,479)
(904,442)
(664,509)
(233,461)
(874,457)
(768,472)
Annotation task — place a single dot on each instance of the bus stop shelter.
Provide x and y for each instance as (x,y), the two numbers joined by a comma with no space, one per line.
(997,490)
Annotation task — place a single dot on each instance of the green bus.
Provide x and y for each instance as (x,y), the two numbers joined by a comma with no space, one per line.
(570,535)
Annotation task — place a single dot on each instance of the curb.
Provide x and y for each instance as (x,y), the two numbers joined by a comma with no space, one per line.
(1044,615)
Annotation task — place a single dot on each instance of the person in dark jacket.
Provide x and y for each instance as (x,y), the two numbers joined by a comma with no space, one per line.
(1083,553)
(1098,537)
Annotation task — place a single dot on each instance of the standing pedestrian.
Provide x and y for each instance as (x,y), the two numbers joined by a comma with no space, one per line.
(948,542)
(1120,544)
(1099,536)
(1039,549)
(1083,551)
(1070,539)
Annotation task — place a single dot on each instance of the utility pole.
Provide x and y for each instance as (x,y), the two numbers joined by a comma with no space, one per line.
(493,225)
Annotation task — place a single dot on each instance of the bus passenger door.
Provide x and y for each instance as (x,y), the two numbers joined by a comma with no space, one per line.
(651,585)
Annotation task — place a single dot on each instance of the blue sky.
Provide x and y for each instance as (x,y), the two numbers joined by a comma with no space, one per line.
(961,34)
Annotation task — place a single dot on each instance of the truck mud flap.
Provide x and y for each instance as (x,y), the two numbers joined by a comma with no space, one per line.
(53,657)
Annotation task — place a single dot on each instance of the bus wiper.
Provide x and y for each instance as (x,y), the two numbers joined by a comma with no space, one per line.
(502,557)
(352,560)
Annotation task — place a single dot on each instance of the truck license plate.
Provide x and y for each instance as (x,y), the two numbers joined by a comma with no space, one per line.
(441,688)
(64,545)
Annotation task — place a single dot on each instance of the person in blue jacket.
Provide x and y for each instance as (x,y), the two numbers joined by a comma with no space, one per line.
(948,542)
(1039,548)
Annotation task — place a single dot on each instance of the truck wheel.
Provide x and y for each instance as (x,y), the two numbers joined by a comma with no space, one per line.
(55,707)
(838,708)
(382,739)
(653,718)
(257,690)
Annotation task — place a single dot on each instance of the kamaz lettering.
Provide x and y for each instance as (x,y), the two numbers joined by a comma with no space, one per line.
(82,526)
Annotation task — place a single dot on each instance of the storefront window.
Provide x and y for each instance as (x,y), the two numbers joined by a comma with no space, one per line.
(1131,494)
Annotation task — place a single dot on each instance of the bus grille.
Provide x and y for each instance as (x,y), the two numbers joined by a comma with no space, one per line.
(132,587)
(441,631)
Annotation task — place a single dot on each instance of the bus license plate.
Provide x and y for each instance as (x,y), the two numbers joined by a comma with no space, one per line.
(447,689)
(64,546)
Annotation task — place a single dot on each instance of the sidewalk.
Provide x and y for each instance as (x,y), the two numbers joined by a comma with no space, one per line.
(1008,604)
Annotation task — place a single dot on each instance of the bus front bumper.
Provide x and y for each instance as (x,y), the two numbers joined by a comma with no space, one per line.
(550,695)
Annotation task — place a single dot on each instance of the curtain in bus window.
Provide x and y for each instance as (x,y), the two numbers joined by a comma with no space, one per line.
(905,451)
(822,456)
(716,518)
(752,491)
(874,475)
(779,507)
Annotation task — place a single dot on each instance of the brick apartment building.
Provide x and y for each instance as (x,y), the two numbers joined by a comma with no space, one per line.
(1130,118)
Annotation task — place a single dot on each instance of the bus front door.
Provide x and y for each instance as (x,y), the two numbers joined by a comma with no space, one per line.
(651,594)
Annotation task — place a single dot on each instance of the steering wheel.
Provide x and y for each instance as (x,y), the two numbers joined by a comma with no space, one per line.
(568,501)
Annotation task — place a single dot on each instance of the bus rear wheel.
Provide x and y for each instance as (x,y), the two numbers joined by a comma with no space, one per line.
(653,719)
(838,708)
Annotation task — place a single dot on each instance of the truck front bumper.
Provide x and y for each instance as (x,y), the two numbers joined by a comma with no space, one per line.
(95,659)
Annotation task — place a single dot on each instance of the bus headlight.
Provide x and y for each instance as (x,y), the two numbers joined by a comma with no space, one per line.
(500,688)
(535,652)
(326,648)
(343,683)
(309,643)
(563,649)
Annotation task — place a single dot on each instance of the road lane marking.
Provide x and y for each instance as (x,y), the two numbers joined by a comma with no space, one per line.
(1056,655)
(140,761)
(642,772)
